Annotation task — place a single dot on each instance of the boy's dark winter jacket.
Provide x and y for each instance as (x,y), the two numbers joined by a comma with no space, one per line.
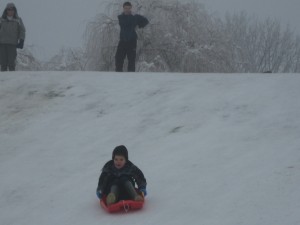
(128,23)
(110,173)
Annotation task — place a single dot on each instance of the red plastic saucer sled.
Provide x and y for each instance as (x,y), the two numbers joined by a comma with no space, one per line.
(122,205)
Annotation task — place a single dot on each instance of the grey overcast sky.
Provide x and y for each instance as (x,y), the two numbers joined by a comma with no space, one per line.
(52,24)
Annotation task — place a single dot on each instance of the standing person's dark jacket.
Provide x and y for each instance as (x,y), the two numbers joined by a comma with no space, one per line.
(128,23)
(11,31)
(110,173)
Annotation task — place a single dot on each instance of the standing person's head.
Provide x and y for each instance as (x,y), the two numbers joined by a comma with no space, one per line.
(120,156)
(10,11)
(127,7)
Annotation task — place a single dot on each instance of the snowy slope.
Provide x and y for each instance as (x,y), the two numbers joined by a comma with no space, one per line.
(216,149)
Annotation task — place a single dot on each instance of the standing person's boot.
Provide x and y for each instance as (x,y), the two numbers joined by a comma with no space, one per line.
(113,195)
(3,68)
(132,192)
(131,65)
(12,68)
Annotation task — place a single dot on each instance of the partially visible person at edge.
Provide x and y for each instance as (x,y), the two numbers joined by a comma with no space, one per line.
(12,36)
(128,37)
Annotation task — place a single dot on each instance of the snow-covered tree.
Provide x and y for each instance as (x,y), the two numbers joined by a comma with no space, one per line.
(259,46)
(183,37)
(174,29)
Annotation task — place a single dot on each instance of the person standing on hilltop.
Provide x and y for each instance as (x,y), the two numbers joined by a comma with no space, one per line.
(128,37)
(12,36)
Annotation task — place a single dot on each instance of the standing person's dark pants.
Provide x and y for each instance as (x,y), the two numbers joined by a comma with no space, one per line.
(8,54)
(126,48)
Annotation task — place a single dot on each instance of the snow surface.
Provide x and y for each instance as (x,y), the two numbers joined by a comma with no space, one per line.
(216,149)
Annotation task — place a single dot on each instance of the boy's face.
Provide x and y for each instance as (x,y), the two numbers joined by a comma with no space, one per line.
(127,9)
(119,161)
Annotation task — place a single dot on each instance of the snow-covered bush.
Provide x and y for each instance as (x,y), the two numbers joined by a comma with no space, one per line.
(67,60)
(26,61)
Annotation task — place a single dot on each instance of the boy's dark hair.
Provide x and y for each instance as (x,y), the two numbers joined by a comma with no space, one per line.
(120,150)
(127,4)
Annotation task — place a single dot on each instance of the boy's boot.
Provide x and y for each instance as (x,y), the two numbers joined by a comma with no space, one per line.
(132,192)
(113,195)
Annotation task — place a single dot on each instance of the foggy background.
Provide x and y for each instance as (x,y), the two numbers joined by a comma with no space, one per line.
(54,24)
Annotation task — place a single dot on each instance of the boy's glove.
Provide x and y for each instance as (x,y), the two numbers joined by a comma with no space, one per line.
(144,191)
(99,194)
(20,44)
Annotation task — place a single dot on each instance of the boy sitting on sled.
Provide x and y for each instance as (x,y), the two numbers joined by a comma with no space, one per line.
(118,178)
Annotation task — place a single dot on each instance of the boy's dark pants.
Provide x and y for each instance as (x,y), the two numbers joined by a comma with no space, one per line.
(8,55)
(126,48)
(123,188)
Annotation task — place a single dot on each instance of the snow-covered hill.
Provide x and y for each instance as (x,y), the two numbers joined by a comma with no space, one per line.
(216,149)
